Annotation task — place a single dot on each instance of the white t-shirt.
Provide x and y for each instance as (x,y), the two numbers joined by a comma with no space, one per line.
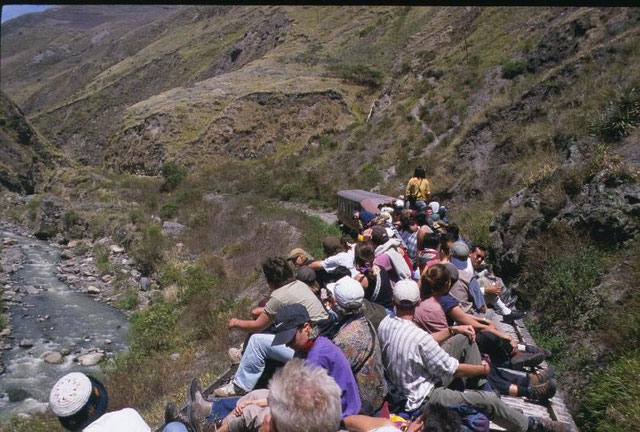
(125,420)
(340,259)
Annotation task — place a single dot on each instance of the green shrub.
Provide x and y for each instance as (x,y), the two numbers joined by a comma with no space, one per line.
(188,196)
(168,211)
(370,175)
(359,74)
(69,219)
(36,422)
(137,215)
(513,68)
(153,329)
(365,31)
(149,251)
(151,202)
(101,256)
(612,402)
(129,301)
(173,174)
(563,288)
(196,280)
(619,117)
(288,191)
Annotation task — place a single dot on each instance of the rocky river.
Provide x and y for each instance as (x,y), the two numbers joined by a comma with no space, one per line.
(52,328)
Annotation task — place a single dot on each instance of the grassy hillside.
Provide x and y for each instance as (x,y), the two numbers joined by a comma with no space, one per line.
(525,119)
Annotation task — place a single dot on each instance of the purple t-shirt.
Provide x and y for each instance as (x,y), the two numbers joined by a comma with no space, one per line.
(326,355)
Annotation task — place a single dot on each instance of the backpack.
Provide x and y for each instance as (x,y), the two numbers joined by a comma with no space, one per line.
(472,419)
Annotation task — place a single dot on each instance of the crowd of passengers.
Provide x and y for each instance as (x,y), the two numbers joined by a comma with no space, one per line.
(393,330)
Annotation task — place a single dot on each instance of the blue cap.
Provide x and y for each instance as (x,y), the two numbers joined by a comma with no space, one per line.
(288,319)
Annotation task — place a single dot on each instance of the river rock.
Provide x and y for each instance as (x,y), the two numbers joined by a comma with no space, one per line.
(116,249)
(135,273)
(25,343)
(66,254)
(30,290)
(17,395)
(90,359)
(92,290)
(107,341)
(65,352)
(2,368)
(53,358)
(9,242)
(73,243)
(5,332)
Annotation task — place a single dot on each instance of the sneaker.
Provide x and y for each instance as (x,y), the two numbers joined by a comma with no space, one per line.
(235,354)
(513,316)
(541,376)
(541,424)
(522,360)
(229,390)
(542,392)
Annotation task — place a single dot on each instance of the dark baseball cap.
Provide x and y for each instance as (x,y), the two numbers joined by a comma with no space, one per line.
(288,319)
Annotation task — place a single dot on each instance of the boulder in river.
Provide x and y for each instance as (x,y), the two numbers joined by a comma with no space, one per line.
(9,241)
(26,343)
(53,358)
(92,290)
(17,395)
(90,359)
(66,254)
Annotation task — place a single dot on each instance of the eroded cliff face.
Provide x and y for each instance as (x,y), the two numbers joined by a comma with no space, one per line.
(24,155)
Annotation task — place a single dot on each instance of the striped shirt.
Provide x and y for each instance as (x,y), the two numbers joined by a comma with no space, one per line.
(414,361)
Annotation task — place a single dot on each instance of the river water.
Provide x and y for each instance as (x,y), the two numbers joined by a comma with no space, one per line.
(75,322)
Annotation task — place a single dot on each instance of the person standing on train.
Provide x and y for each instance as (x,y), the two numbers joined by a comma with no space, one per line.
(418,190)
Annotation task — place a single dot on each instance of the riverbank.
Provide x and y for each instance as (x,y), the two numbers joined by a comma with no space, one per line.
(51,326)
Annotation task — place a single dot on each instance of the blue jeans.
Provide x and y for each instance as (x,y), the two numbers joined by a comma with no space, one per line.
(174,427)
(252,365)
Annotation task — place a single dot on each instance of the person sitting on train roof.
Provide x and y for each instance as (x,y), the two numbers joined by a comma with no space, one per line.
(294,329)
(299,257)
(80,402)
(490,284)
(501,347)
(358,340)
(412,235)
(389,255)
(373,278)
(418,190)
(419,369)
(336,255)
(285,290)
(430,316)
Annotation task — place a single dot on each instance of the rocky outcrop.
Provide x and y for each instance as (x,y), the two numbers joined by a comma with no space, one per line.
(606,208)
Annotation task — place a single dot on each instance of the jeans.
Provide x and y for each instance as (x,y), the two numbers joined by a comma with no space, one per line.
(174,427)
(252,365)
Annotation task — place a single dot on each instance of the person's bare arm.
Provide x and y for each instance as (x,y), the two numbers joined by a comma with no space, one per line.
(256,312)
(479,324)
(252,326)
(316,265)
(465,369)
(362,423)
(442,335)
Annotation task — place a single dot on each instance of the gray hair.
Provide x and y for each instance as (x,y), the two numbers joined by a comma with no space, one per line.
(304,397)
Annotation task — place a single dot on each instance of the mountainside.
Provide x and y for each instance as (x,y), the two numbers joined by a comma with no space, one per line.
(526,120)
(24,154)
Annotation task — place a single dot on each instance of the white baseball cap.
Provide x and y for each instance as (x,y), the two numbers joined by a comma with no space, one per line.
(348,293)
(406,292)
